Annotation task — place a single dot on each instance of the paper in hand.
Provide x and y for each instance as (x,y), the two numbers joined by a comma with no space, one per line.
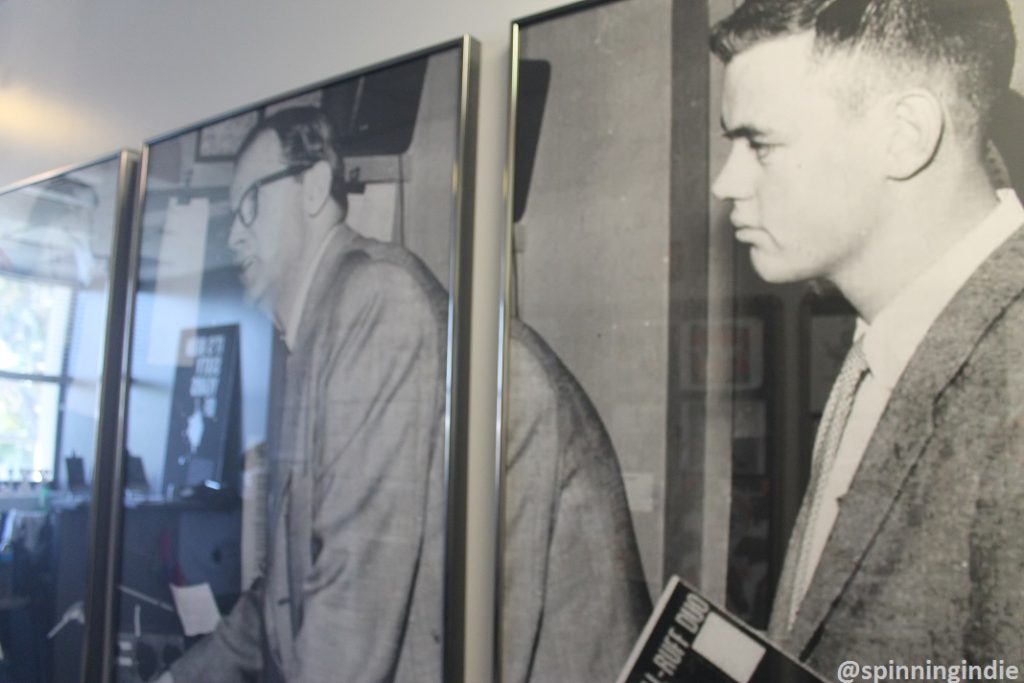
(196,608)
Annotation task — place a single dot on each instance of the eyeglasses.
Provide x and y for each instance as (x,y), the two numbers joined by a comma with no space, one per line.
(248,205)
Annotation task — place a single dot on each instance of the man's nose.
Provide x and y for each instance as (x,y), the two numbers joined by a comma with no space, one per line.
(734,180)
(236,234)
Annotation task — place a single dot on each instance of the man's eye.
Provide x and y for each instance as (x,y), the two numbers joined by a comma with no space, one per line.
(762,150)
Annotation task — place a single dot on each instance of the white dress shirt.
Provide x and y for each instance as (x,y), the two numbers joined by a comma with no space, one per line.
(890,341)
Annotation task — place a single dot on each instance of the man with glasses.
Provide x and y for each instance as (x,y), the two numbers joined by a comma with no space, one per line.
(859,130)
(352,586)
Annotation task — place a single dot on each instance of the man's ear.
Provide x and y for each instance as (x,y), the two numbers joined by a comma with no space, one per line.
(316,187)
(918,125)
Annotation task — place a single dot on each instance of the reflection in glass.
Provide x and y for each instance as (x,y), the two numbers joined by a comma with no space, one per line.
(28,434)
(55,252)
(33,324)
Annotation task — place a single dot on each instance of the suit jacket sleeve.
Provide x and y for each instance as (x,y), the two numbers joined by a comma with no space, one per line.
(575,597)
(596,599)
(233,652)
(377,434)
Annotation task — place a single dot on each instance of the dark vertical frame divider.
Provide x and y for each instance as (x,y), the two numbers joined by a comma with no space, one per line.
(104,524)
(461,278)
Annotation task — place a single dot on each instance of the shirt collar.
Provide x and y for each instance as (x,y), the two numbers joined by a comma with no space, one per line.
(890,341)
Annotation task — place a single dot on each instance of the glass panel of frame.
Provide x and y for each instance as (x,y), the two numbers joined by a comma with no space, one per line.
(292,449)
(679,305)
(59,248)
(592,397)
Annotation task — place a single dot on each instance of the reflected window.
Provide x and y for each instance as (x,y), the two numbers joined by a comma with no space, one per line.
(56,240)
(34,323)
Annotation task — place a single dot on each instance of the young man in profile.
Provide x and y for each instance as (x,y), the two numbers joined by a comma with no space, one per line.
(858,132)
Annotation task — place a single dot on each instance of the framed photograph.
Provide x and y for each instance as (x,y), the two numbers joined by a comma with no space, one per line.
(899,317)
(63,251)
(294,442)
(643,378)
(612,362)
(677,218)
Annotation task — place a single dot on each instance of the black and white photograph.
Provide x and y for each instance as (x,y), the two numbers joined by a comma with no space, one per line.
(763,259)
(59,246)
(868,179)
(594,301)
(287,452)
(627,340)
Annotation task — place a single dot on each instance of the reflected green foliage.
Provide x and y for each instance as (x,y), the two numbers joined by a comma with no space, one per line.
(27,312)
(18,426)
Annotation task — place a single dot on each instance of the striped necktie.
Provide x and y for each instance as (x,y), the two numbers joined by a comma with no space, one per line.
(826,448)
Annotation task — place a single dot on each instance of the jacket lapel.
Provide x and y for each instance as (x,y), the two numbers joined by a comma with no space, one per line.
(304,395)
(895,446)
(778,625)
(901,435)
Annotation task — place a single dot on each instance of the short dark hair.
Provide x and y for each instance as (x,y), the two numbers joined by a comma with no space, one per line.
(306,136)
(971,40)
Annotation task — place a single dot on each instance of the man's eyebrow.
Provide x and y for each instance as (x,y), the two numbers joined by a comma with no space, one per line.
(747,132)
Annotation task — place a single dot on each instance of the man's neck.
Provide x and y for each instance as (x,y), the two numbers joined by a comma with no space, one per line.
(286,317)
(922,222)
(290,291)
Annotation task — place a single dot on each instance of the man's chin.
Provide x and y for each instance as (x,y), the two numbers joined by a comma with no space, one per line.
(772,270)
(258,298)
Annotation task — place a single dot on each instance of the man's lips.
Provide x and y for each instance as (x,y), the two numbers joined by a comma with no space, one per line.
(746,232)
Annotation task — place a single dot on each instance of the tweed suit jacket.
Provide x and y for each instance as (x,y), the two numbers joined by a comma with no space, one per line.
(926,558)
(574,593)
(353,587)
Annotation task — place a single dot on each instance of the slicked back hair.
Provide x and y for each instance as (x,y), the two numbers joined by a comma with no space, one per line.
(306,136)
(971,42)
